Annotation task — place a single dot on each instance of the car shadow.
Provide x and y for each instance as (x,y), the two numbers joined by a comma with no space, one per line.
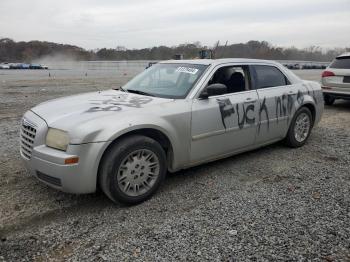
(341,105)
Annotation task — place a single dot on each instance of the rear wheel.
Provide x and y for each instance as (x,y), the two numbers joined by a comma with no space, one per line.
(132,169)
(300,128)
(328,100)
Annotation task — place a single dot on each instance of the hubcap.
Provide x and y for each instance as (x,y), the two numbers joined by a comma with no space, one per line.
(302,127)
(138,172)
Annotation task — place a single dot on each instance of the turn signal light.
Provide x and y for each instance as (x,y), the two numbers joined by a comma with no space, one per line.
(71,160)
(327,74)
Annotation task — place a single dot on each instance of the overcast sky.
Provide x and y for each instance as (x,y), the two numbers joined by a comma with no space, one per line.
(146,23)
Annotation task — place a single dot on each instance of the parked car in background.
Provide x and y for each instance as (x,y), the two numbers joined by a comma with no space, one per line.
(174,115)
(15,66)
(24,66)
(35,66)
(4,66)
(336,79)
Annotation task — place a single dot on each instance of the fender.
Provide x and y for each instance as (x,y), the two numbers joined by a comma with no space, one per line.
(314,96)
(112,130)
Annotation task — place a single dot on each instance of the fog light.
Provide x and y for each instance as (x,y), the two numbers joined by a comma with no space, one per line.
(71,160)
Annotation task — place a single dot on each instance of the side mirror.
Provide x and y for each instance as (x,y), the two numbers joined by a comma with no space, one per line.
(214,90)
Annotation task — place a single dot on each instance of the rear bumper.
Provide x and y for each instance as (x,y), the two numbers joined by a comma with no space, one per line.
(337,92)
(48,166)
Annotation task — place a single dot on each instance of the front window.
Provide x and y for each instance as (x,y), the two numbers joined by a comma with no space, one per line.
(166,80)
(235,78)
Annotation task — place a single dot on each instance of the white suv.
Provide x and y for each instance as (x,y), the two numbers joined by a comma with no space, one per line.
(336,79)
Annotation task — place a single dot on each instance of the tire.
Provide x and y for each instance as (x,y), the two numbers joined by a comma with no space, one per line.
(300,128)
(132,169)
(328,100)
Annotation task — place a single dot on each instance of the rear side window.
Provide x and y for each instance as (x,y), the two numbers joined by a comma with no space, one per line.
(343,62)
(269,76)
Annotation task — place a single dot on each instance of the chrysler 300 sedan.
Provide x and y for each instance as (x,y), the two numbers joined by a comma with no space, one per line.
(172,116)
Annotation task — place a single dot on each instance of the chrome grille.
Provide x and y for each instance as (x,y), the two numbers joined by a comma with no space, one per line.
(28,132)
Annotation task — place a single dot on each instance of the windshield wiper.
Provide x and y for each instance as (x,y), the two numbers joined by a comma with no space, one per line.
(139,92)
(121,89)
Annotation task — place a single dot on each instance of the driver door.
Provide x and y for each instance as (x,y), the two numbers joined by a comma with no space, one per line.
(225,123)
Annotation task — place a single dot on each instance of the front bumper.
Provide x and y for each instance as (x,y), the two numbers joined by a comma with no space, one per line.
(48,164)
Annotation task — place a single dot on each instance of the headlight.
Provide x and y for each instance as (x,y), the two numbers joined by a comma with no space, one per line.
(57,138)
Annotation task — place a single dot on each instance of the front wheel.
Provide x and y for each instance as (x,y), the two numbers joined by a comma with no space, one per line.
(300,128)
(132,169)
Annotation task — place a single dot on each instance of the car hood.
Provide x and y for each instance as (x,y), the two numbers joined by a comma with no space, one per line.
(72,110)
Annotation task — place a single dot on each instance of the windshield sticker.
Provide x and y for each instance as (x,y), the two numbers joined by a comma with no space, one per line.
(187,70)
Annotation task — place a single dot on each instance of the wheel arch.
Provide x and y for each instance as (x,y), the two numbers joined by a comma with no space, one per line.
(312,109)
(153,133)
(309,106)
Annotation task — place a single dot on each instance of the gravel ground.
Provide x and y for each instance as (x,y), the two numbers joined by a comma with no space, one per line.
(274,203)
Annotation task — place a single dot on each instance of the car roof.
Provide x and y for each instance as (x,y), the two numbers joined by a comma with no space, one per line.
(344,55)
(218,61)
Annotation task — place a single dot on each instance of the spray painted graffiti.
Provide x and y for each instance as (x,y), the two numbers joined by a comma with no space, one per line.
(249,120)
(226,109)
(117,102)
(285,106)
(263,109)
(103,109)
(242,112)
(312,93)
(300,97)
(286,103)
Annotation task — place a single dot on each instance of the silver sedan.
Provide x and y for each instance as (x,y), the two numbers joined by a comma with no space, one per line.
(172,116)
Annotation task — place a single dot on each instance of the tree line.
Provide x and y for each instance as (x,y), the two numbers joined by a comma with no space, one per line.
(12,51)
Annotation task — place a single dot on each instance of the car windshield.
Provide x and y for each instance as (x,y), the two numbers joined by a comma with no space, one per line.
(166,80)
(341,63)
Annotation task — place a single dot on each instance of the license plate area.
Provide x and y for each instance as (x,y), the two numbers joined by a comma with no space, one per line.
(346,79)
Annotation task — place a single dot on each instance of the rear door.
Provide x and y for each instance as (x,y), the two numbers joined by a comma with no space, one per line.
(277,102)
(226,123)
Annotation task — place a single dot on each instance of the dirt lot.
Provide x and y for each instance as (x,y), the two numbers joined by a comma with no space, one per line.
(274,203)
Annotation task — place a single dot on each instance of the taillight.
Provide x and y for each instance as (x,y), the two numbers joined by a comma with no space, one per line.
(327,74)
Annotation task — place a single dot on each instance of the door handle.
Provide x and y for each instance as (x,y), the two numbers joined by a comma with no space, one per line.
(292,93)
(250,100)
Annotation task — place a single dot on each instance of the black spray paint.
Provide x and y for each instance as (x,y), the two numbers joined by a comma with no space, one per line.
(263,109)
(117,102)
(228,110)
(312,93)
(284,105)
